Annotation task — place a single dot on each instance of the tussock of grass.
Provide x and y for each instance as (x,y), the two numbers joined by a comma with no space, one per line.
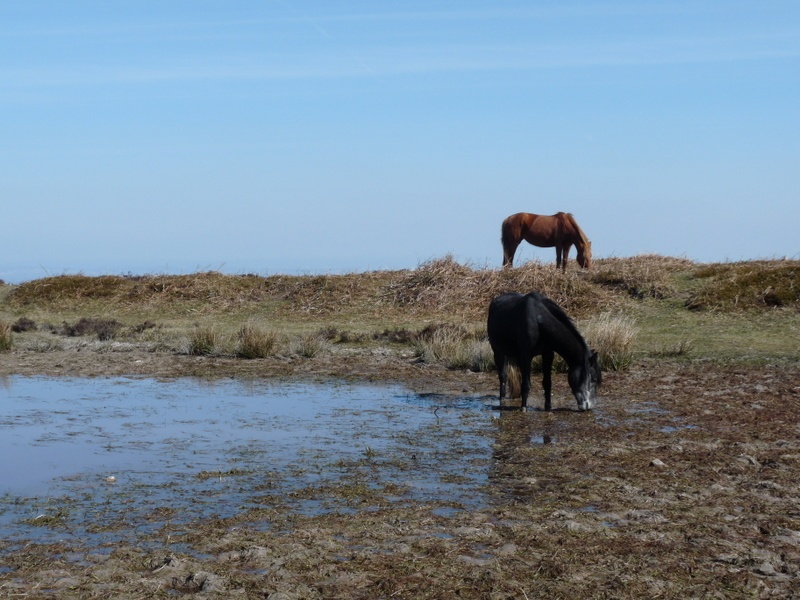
(254,342)
(455,347)
(204,341)
(612,336)
(308,345)
(6,341)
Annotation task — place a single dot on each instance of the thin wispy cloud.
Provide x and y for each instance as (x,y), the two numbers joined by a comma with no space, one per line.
(293,41)
(425,58)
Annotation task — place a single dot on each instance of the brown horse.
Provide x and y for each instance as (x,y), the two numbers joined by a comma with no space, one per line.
(559,230)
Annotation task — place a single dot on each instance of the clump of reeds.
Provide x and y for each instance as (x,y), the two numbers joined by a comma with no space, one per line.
(203,341)
(6,341)
(612,336)
(308,345)
(254,342)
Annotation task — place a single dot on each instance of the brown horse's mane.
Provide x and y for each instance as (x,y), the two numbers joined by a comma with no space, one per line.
(574,224)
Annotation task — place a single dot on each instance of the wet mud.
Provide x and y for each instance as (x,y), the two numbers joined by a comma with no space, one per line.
(405,481)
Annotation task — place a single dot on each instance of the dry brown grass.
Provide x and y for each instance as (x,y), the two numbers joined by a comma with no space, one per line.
(206,293)
(748,285)
(353,308)
(643,276)
(449,287)
(441,285)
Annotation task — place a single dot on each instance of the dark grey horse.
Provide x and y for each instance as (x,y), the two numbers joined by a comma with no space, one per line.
(521,327)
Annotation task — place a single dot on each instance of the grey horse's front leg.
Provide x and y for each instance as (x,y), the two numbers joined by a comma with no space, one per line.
(547,378)
(525,381)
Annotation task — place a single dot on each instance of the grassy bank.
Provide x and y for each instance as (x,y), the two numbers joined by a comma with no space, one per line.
(632,308)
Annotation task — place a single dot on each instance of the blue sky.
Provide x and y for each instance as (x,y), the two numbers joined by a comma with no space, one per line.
(297,136)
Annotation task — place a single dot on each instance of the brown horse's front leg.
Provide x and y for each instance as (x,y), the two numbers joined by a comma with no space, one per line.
(562,255)
(561,258)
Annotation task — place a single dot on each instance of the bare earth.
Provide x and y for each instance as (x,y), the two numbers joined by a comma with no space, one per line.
(683,484)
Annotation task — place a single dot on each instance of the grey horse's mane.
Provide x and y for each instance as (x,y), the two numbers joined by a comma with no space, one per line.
(559,314)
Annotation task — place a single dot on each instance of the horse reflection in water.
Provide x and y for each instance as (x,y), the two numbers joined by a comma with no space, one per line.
(521,327)
(515,469)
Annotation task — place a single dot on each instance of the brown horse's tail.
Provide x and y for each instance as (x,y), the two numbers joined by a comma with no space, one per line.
(508,240)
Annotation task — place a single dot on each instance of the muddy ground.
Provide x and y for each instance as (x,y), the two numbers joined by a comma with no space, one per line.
(683,484)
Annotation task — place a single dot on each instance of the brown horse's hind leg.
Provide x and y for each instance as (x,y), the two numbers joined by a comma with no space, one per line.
(509,249)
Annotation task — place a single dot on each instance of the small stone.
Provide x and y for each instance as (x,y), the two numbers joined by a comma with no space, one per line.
(766,569)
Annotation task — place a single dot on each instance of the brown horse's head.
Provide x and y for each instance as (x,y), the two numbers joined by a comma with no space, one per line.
(584,257)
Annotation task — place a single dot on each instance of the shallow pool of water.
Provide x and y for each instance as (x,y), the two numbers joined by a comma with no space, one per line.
(96,455)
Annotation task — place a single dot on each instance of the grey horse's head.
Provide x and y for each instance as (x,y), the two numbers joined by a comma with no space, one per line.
(584,381)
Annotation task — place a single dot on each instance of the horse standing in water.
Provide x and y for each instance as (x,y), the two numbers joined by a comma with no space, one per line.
(559,230)
(521,327)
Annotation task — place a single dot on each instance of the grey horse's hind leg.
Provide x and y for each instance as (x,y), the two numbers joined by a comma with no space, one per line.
(502,373)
